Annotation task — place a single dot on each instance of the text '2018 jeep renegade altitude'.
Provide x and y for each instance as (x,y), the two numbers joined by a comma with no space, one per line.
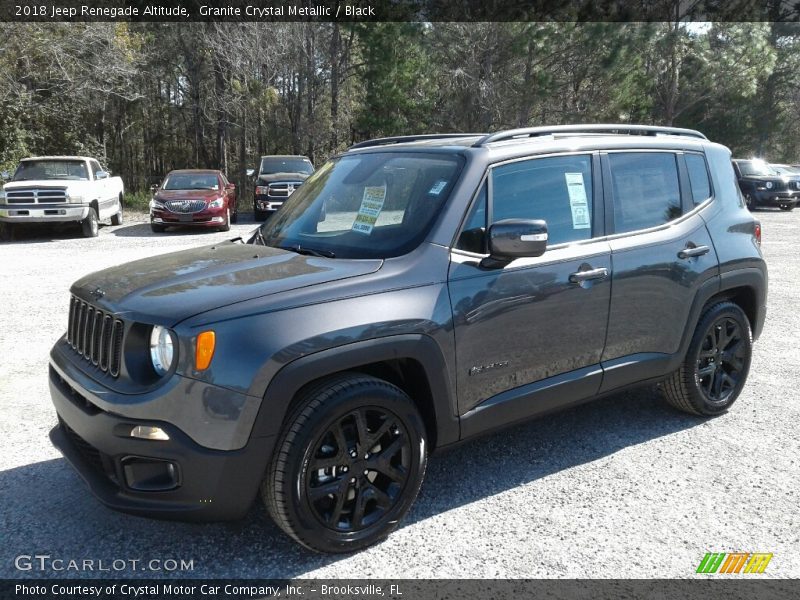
(413,293)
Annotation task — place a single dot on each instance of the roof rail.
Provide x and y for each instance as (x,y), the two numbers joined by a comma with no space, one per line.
(529,132)
(399,139)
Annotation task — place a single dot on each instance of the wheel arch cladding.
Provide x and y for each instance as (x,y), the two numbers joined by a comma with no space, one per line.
(414,363)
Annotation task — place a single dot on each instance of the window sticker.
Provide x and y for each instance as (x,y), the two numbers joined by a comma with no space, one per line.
(370,210)
(438,187)
(578,201)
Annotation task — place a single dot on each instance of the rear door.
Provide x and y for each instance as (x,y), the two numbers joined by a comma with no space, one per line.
(661,254)
(536,323)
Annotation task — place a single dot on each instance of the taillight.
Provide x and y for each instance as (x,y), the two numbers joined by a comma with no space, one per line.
(757,232)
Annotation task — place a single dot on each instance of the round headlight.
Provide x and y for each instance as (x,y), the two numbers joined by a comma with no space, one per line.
(162,352)
(769,185)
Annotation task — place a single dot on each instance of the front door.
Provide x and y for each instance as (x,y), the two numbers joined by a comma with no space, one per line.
(536,323)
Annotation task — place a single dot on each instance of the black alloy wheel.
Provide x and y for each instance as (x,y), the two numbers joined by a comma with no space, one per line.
(714,370)
(348,464)
(359,469)
(721,361)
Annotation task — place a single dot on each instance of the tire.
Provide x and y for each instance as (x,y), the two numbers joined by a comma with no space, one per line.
(90,226)
(235,216)
(715,368)
(259,215)
(370,484)
(157,228)
(749,202)
(6,232)
(226,226)
(117,218)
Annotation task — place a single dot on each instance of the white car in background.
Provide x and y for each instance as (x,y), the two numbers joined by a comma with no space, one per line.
(62,189)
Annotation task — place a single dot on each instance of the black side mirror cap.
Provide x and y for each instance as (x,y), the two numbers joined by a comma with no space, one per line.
(515,238)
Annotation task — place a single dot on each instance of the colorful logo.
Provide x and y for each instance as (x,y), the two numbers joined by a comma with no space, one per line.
(734,562)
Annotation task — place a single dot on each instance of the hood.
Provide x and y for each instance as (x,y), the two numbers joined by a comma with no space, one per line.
(172,287)
(45,183)
(269,178)
(207,195)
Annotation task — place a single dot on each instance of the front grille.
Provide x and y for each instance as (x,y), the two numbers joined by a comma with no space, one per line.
(96,336)
(283,189)
(185,206)
(36,195)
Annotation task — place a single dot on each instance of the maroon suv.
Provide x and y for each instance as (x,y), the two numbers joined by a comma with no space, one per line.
(198,198)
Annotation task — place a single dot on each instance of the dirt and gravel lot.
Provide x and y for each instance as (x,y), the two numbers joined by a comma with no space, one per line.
(624,487)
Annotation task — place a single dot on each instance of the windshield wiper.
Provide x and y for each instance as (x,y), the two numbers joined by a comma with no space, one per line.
(309,251)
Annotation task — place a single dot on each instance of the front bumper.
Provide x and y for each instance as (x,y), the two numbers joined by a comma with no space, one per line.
(772,198)
(209,485)
(267,203)
(43,213)
(209,217)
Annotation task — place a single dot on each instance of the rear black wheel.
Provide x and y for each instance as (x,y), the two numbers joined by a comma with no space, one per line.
(716,365)
(117,218)
(348,466)
(749,202)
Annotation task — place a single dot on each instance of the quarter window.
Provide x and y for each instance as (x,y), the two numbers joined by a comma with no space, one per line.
(556,189)
(646,189)
(698,178)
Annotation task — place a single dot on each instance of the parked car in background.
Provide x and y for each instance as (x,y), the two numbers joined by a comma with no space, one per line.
(415,292)
(52,189)
(277,178)
(762,185)
(194,198)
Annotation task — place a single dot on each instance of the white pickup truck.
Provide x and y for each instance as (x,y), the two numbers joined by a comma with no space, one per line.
(62,188)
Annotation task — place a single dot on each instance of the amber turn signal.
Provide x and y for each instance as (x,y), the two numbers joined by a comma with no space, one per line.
(205,350)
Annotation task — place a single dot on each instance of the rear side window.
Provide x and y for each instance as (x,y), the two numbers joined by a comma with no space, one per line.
(556,189)
(698,178)
(646,189)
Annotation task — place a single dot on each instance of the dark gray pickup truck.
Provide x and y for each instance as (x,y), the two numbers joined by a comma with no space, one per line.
(413,293)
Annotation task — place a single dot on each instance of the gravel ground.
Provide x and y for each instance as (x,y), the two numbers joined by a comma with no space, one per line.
(624,487)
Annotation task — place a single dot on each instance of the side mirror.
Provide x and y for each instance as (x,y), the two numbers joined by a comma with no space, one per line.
(230,186)
(250,172)
(515,238)
(101,175)
(5,176)
(154,188)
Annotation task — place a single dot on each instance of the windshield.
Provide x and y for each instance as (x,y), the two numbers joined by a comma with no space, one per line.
(374,205)
(285,165)
(786,170)
(191,181)
(51,169)
(756,168)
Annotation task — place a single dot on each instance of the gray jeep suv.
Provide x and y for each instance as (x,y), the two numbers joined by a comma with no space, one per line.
(413,293)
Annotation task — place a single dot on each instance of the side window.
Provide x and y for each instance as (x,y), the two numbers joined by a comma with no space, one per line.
(95,168)
(473,234)
(698,178)
(556,189)
(646,189)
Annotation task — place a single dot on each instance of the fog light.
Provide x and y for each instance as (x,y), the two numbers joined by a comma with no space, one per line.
(150,474)
(145,432)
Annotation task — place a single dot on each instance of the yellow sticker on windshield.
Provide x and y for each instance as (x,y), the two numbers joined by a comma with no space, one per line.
(370,210)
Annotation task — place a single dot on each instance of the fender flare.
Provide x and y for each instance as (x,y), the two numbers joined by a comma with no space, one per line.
(293,376)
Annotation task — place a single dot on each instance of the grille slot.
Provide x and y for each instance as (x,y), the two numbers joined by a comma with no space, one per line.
(96,336)
(185,206)
(36,195)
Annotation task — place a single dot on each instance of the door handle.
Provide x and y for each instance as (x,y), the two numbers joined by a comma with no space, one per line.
(582,276)
(692,251)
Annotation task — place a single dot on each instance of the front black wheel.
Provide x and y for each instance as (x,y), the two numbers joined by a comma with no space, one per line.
(716,365)
(749,202)
(348,466)
(259,215)
(90,226)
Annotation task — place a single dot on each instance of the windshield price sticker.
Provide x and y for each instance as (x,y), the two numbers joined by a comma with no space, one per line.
(578,201)
(371,207)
